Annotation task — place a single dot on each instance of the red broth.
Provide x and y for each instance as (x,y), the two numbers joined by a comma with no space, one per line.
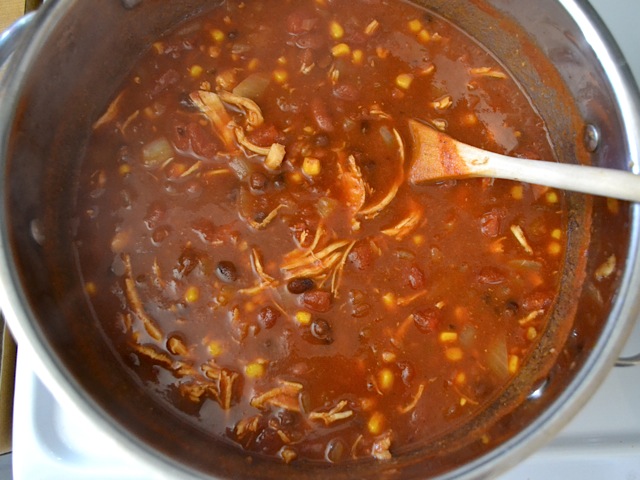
(253,250)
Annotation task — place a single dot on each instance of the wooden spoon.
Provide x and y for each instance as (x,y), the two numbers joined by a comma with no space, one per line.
(437,157)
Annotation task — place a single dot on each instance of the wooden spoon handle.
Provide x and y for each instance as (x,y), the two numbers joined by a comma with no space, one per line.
(437,157)
(605,182)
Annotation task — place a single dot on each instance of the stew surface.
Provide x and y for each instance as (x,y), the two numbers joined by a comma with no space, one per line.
(254,252)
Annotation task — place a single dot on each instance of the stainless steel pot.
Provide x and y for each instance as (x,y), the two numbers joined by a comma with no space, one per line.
(69,63)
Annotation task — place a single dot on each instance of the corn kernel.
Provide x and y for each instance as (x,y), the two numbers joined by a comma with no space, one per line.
(158,47)
(554,248)
(375,425)
(280,75)
(341,50)
(195,71)
(303,318)
(372,27)
(311,166)
(389,299)
(428,70)
(215,348)
(556,233)
(453,354)
(613,205)
(214,51)
(90,288)
(335,30)
(176,346)
(385,379)
(418,240)
(415,25)
(255,369)
(486,439)
(404,80)
(461,313)
(514,363)
(124,169)
(552,197)
(463,401)
(367,404)
(443,103)
(217,35)
(382,52)
(424,36)
(448,337)
(295,177)
(517,192)
(461,378)
(469,119)
(253,64)
(357,57)
(389,357)
(192,294)
(532,333)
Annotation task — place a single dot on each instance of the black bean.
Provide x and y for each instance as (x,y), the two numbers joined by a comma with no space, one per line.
(317,300)
(268,316)
(226,271)
(426,320)
(258,181)
(321,330)
(300,285)
(279,182)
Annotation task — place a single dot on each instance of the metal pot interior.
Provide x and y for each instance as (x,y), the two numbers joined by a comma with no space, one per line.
(66,78)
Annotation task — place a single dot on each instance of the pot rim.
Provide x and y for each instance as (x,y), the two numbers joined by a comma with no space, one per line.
(625,308)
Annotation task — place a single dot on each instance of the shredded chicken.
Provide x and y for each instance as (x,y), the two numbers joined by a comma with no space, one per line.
(606,269)
(242,140)
(179,368)
(380,448)
(372,211)
(337,272)
(247,426)
(248,106)
(218,382)
(406,225)
(312,263)
(352,184)
(285,396)
(522,240)
(110,114)
(274,155)
(531,317)
(335,414)
(210,104)
(414,401)
(487,72)
(267,220)
(136,304)
(257,265)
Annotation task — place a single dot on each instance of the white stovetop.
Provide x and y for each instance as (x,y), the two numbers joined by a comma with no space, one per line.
(602,442)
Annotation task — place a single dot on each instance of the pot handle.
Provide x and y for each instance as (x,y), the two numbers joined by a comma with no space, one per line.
(11,37)
(632,361)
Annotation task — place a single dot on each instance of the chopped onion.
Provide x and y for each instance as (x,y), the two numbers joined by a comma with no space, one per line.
(498,358)
(157,153)
(326,206)
(240,167)
(253,86)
